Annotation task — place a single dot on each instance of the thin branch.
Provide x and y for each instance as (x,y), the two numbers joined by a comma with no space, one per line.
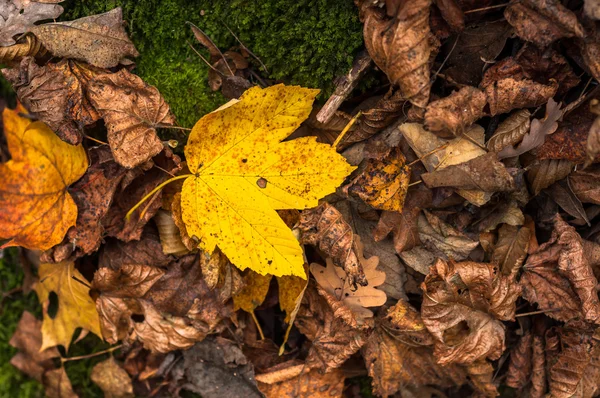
(95,354)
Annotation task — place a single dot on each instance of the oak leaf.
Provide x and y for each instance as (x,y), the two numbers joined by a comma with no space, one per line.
(75,306)
(99,39)
(383,182)
(112,379)
(240,178)
(35,208)
(132,110)
(18,16)
(450,116)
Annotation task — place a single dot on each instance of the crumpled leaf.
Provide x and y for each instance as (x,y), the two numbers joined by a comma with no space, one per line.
(292,380)
(326,228)
(438,153)
(170,237)
(244,176)
(452,115)
(546,172)
(132,110)
(538,131)
(334,281)
(116,254)
(586,184)
(472,294)
(442,239)
(511,249)
(217,368)
(542,21)
(56,94)
(112,379)
(519,367)
(99,39)
(484,173)
(18,16)
(27,338)
(383,182)
(35,208)
(508,93)
(558,276)
(561,193)
(72,292)
(399,352)
(401,48)
(511,131)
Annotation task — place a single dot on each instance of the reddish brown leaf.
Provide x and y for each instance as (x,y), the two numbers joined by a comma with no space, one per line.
(450,116)
(519,367)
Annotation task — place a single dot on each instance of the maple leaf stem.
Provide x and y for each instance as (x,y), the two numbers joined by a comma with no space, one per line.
(262,336)
(166,126)
(415,183)
(537,312)
(487,8)
(159,187)
(95,140)
(346,129)
(95,354)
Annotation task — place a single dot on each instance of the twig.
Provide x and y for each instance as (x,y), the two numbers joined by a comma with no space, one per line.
(95,354)
(346,129)
(489,8)
(95,140)
(260,332)
(211,42)
(537,312)
(205,60)
(246,48)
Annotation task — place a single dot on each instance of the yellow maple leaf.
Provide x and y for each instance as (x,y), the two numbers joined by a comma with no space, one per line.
(35,208)
(75,306)
(242,173)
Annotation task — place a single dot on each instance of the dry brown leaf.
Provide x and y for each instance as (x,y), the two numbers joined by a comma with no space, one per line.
(383,182)
(586,184)
(450,116)
(592,8)
(292,380)
(401,48)
(112,379)
(461,294)
(19,16)
(443,240)
(452,14)
(99,39)
(325,227)
(484,173)
(542,21)
(511,249)
(57,384)
(333,280)
(519,367)
(115,254)
(507,94)
(538,131)
(56,94)
(511,131)
(593,140)
(132,110)
(562,194)
(546,172)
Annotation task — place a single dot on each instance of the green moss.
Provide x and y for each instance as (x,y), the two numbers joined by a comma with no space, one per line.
(305,42)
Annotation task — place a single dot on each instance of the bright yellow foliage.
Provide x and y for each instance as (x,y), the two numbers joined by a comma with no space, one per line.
(75,306)
(35,208)
(243,173)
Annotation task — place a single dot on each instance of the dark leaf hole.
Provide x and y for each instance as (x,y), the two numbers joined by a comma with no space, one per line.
(52,305)
(138,318)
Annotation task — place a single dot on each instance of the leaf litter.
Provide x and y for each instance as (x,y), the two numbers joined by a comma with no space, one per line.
(401,224)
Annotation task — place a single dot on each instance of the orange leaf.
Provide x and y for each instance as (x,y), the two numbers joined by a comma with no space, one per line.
(35,209)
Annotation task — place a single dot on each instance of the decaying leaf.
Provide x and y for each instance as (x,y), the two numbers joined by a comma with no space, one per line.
(132,110)
(293,380)
(250,162)
(112,379)
(593,140)
(35,208)
(326,228)
(56,94)
(519,367)
(100,39)
(511,249)
(511,131)
(256,287)
(538,131)
(546,172)
(57,384)
(508,93)
(400,47)
(19,16)
(383,182)
(71,290)
(542,21)
(452,115)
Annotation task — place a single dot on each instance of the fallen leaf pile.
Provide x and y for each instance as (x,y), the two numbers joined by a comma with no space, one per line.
(437,234)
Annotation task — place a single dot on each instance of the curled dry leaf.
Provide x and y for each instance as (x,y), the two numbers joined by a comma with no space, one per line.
(56,94)
(507,94)
(325,227)
(546,172)
(511,131)
(451,116)
(542,21)
(170,238)
(19,16)
(484,173)
(28,46)
(100,39)
(400,47)
(112,379)
(72,291)
(586,184)
(383,182)
(36,209)
(467,293)
(132,110)
(519,367)
(293,380)
(340,292)
(399,353)
(538,131)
